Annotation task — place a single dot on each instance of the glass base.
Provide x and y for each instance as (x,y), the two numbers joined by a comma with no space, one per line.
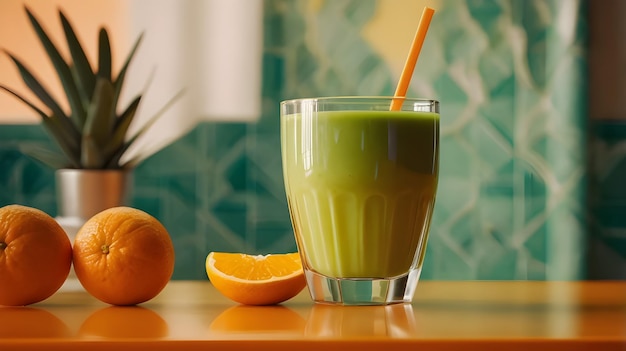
(362,291)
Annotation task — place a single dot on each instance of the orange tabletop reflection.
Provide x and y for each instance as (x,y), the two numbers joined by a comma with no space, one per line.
(444,316)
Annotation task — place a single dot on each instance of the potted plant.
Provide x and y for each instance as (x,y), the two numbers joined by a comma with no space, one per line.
(94,135)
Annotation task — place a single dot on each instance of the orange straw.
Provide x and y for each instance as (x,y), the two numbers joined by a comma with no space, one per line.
(411,60)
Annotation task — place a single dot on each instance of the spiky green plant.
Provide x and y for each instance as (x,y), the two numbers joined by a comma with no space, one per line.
(94,134)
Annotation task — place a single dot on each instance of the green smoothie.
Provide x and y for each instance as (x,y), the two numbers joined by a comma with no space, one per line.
(361,189)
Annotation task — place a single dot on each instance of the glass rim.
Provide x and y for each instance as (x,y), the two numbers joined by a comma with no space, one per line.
(355,98)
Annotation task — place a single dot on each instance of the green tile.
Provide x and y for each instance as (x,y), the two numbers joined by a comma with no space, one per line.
(447,264)
(488,14)
(359,12)
(499,265)
(457,160)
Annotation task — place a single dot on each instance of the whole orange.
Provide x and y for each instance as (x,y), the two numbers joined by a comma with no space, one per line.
(123,256)
(35,255)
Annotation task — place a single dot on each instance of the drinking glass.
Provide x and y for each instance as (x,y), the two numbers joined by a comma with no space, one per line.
(361,181)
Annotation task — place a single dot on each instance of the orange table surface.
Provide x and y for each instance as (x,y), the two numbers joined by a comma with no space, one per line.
(470,315)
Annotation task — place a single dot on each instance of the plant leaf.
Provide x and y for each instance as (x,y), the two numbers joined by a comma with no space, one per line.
(157,115)
(104,55)
(85,77)
(67,145)
(25,101)
(148,124)
(57,126)
(91,156)
(133,162)
(43,154)
(126,118)
(114,161)
(68,129)
(63,70)
(37,87)
(119,81)
(101,115)
(121,128)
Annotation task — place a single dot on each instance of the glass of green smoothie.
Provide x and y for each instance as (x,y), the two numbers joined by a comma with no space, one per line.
(361,181)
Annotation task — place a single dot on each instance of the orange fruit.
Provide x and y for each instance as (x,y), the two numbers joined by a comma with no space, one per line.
(256,280)
(35,255)
(123,256)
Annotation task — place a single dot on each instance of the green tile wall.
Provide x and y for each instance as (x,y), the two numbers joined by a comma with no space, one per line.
(510,75)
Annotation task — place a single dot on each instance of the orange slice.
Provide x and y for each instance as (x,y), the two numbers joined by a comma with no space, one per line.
(256,279)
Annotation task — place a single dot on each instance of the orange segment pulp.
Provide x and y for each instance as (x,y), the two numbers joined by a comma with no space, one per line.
(256,279)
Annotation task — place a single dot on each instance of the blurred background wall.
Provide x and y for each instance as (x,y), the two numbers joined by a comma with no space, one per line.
(606,239)
(531,168)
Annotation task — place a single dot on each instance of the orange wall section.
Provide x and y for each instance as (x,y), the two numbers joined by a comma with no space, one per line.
(18,38)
